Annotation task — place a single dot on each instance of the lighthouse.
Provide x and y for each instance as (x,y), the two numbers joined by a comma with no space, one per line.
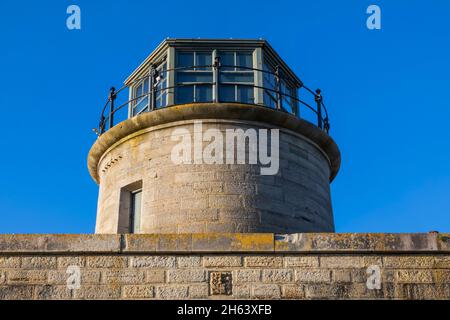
(214,135)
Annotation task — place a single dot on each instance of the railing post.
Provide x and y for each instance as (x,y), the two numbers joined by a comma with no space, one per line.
(151,88)
(101,125)
(216,77)
(278,84)
(318,99)
(112,97)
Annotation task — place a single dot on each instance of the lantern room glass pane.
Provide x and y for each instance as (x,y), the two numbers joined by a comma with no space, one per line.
(245,94)
(227,59)
(244,59)
(185,59)
(227,93)
(203,59)
(185,94)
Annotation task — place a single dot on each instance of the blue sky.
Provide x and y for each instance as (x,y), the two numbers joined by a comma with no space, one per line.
(386,91)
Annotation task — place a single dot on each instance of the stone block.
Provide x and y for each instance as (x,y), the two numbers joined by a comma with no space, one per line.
(414,276)
(198,291)
(107,262)
(64,262)
(125,276)
(186,275)
(152,262)
(39,263)
(278,275)
(234,242)
(138,292)
(247,275)
(16,292)
(264,261)
(172,292)
(292,292)
(302,261)
(97,292)
(349,261)
(189,261)
(266,291)
(9,262)
(155,276)
(64,243)
(28,277)
(312,275)
(50,292)
(222,261)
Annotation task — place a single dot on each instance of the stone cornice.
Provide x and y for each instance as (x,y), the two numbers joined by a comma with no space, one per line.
(307,243)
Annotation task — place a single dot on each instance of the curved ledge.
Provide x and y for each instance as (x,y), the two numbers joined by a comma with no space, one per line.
(228,111)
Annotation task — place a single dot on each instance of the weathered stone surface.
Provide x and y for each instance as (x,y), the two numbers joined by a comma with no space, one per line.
(9,262)
(263,261)
(414,276)
(49,292)
(155,276)
(356,242)
(198,291)
(16,292)
(234,242)
(107,262)
(278,275)
(64,262)
(97,292)
(152,262)
(292,292)
(234,274)
(172,292)
(138,292)
(247,275)
(241,291)
(189,261)
(123,277)
(341,276)
(27,277)
(422,291)
(39,263)
(443,240)
(186,275)
(314,275)
(157,243)
(79,243)
(344,261)
(222,261)
(409,262)
(301,261)
(266,291)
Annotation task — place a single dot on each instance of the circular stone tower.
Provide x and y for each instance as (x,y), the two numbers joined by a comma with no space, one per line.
(214,136)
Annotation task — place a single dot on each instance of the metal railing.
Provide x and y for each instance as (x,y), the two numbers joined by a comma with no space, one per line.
(110,109)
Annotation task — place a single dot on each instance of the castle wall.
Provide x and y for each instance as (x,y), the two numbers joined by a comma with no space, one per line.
(230,266)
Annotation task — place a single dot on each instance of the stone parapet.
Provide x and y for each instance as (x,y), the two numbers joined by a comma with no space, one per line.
(225,266)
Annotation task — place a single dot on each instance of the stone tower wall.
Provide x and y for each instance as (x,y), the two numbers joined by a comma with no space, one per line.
(200,197)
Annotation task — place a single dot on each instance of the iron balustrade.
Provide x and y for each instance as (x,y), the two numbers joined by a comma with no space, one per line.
(154,77)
